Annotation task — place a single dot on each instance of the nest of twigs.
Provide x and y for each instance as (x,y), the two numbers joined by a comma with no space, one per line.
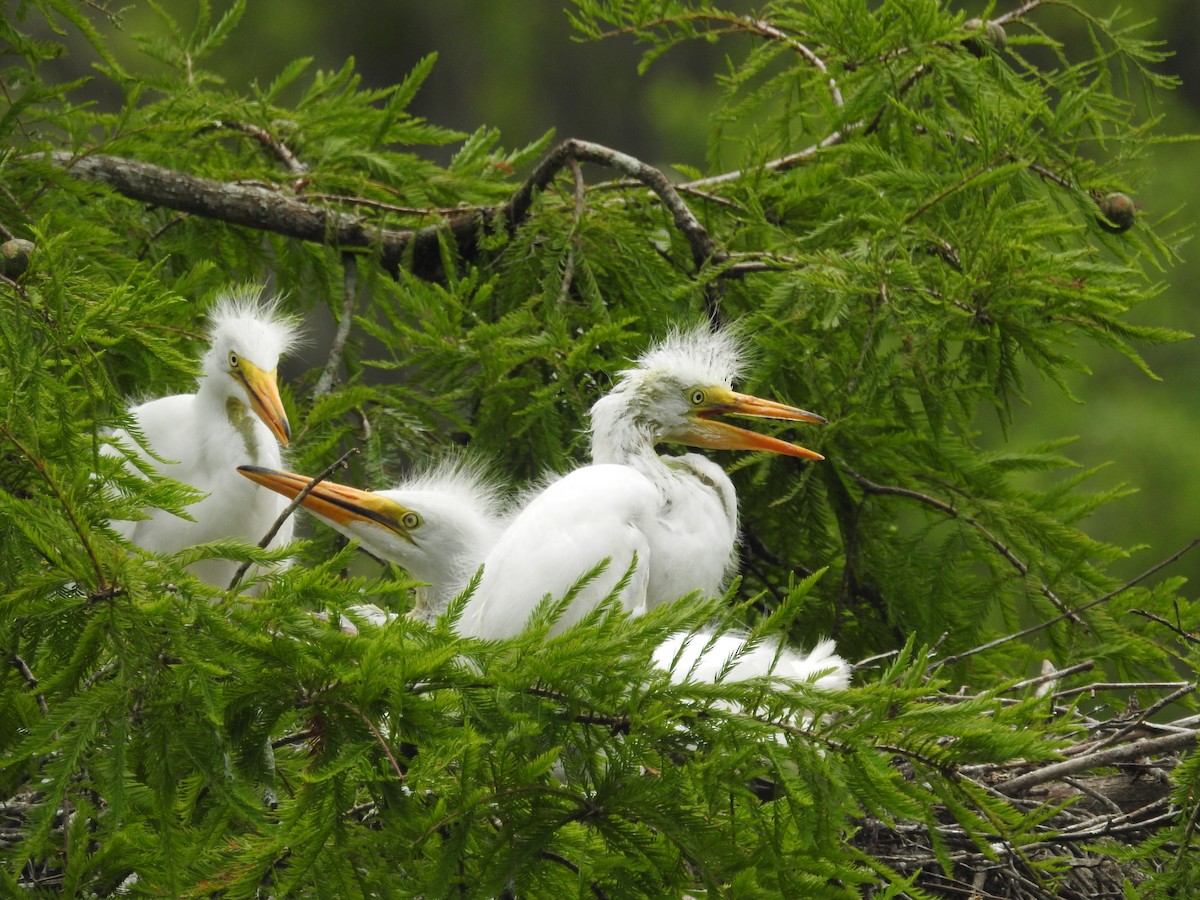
(1112,788)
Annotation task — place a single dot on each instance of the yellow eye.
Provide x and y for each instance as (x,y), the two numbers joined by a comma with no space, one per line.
(697,397)
(233,360)
(410,520)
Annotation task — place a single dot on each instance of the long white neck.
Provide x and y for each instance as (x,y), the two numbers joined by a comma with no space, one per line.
(621,434)
(253,442)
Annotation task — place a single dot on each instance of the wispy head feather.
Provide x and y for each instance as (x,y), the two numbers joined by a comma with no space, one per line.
(241,317)
(696,355)
(463,477)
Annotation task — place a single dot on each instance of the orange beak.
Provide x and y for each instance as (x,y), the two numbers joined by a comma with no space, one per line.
(263,391)
(338,504)
(704,431)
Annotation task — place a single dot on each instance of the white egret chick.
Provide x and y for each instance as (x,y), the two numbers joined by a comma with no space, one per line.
(445,524)
(442,524)
(438,525)
(672,395)
(235,417)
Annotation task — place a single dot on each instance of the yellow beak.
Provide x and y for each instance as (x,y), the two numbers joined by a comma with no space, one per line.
(263,390)
(703,431)
(338,504)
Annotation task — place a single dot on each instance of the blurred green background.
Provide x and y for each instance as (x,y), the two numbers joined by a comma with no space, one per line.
(516,65)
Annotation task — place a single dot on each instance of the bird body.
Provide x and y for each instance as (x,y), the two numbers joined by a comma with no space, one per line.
(445,523)
(234,417)
(593,514)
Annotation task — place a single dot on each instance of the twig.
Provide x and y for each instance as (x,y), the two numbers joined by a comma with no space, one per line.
(569,269)
(378,737)
(159,232)
(1122,686)
(761,27)
(298,738)
(1033,629)
(349,302)
(957,186)
(597,891)
(863,663)
(704,250)
(289,509)
(268,140)
(1052,676)
(871,487)
(1020,11)
(27,674)
(1107,757)
(1187,636)
(1183,691)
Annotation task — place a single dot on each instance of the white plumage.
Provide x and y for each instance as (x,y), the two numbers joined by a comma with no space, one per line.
(443,523)
(705,656)
(438,525)
(669,523)
(672,396)
(235,417)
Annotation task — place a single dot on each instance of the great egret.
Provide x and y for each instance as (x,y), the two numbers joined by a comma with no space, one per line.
(235,416)
(438,525)
(443,523)
(672,395)
(447,523)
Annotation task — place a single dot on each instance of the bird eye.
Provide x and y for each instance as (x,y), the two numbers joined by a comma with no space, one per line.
(697,397)
(233,360)
(410,520)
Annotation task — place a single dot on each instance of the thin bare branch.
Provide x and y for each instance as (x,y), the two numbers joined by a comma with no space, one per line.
(289,509)
(338,348)
(378,739)
(1110,756)
(26,673)
(1034,629)
(81,532)
(871,487)
(268,140)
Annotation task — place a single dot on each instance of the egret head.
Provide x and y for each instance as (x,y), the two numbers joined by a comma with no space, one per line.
(247,337)
(676,391)
(439,524)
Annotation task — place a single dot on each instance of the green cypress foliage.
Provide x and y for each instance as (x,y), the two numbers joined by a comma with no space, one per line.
(908,212)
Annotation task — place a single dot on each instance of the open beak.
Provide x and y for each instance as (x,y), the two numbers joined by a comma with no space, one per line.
(263,391)
(705,431)
(340,505)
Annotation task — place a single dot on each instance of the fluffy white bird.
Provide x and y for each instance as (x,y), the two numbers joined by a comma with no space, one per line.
(444,522)
(438,525)
(672,395)
(235,417)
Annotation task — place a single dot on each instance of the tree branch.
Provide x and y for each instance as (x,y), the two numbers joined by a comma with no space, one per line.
(27,673)
(1108,757)
(349,302)
(871,487)
(268,208)
(1033,629)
